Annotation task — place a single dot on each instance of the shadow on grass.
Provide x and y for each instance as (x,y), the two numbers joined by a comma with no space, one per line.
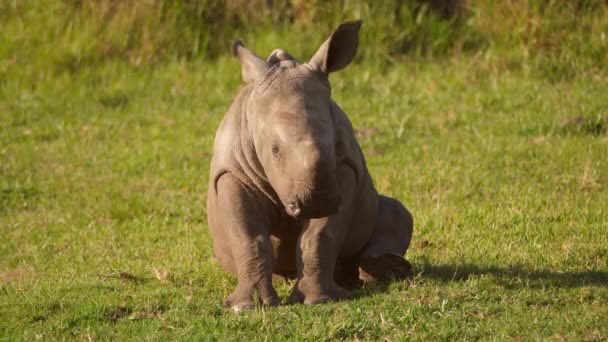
(509,277)
(513,276)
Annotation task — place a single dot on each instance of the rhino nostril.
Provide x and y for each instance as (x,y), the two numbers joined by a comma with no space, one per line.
(293,209)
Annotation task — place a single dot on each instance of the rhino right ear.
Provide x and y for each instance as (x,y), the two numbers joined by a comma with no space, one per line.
(252,66)
(339,49)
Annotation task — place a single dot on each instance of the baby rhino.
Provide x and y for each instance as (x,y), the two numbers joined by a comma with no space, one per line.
(289,191)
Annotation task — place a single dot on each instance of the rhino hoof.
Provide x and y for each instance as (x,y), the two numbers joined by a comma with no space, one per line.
(383,268)
(310,295)
(238,307)
(325,299)
(296,297)
(273,301)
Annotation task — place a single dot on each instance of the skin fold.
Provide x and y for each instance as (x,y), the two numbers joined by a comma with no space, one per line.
(289,191)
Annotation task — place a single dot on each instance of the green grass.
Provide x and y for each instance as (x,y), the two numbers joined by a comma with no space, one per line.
(491,127)
(103,223)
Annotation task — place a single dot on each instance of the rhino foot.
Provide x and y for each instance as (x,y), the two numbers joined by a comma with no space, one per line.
(383,267)
(312,292)
(238,305)
(241,298)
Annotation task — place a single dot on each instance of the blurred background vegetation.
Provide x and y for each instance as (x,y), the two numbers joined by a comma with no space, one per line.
(556,38)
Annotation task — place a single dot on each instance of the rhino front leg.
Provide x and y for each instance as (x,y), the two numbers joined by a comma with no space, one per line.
(247,235)
(316,256)
(319,246)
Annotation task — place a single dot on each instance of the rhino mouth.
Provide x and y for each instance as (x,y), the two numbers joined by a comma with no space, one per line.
(319,205)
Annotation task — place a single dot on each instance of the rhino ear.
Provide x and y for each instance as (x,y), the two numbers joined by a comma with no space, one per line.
(252,66)
(339,49)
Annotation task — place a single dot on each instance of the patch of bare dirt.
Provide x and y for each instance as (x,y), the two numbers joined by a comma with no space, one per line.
(16,274)
(366,133)
(538,140)
(373,152)
(424,244)
(114,314)
(125,277)
(585,125)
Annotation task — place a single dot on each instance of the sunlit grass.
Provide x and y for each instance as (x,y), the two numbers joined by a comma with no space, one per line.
(103,181)
(496,140)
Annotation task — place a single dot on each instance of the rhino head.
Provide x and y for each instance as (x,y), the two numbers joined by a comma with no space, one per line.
(289,115)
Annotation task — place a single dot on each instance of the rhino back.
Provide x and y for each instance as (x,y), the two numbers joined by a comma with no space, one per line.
(228,134)
(348,148)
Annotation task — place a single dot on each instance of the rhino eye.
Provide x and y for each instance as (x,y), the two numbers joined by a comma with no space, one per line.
(275,149)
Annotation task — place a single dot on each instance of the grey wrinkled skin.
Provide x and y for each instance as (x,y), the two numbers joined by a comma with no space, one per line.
(289,191)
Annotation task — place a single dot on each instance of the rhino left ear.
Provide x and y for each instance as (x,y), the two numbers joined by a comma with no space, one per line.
(252,66)
(339,49)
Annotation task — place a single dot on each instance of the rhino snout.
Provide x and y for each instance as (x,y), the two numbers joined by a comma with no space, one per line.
(318,207)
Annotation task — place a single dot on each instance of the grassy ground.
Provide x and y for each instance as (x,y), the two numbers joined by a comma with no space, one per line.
(103,223)
(491,127)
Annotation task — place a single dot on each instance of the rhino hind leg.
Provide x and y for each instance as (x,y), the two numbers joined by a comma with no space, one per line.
(347,274)
(383,259)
